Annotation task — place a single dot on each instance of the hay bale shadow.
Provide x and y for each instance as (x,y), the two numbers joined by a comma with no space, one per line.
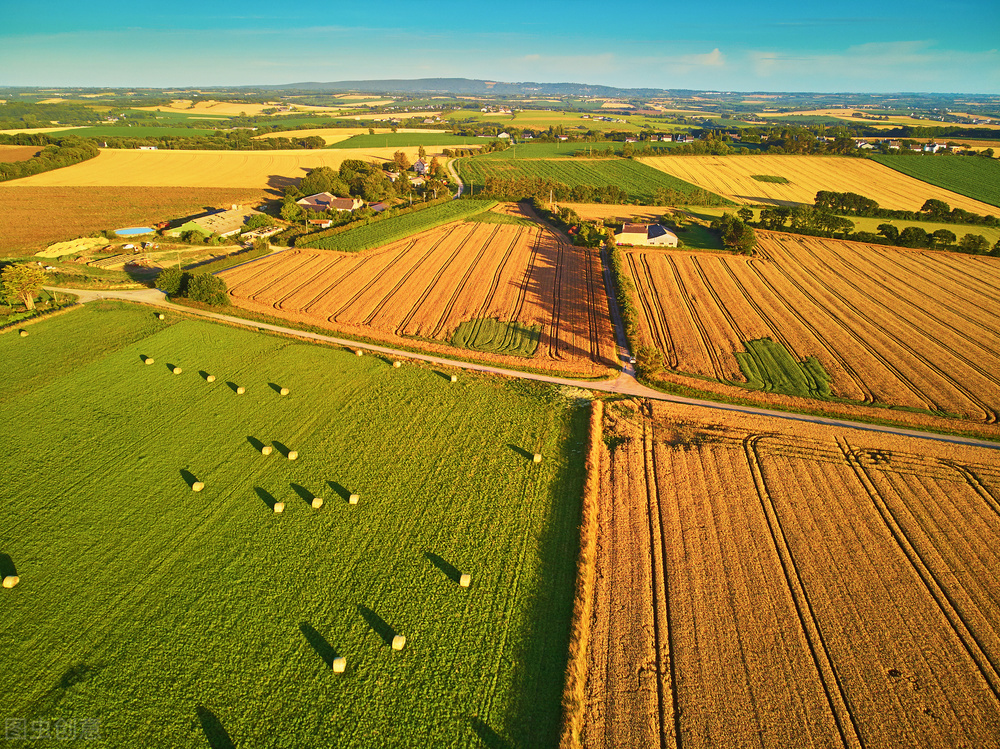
(189,478)
(340,490)
(266,497)
(521,451)
(487,735)
(203,374)
(144,357)
(275,387)
(378,624)
(7,568)
(215,732)
(257,444)
(323,648)
(307,496)
(446,376)
(282,448)
(170,368)
(450,571)
(232,386)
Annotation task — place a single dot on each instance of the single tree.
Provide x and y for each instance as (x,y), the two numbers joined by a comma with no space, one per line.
(22,281)
(943,236)
(977,244)
(171,281)
(745,214)
(204,287)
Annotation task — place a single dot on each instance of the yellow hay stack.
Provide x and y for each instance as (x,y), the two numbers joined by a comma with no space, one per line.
(266,450)
(537,458)
(465,580)
(397,364)
(398,642)
(240,390)
(197,486)
(10,581)
(177,370)
(339,664)
(293,455)
(279,507)
(210,378)
(317,502)
(283,391)
(23,333)
(149,360)
(454,378)
(353,499)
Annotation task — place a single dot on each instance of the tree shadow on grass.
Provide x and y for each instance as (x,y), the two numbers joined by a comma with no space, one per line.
(378,624)
(490,738)
(215,732)
(448,569)
(189,478)
(323,648)
(266,497)
(7,568)
(307,496)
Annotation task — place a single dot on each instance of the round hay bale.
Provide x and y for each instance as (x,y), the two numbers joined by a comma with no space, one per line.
(266,450)
(197,486)
(177,370)
(10,581)
(397,364)
(283,391)
(359,352)
(240,390)
(161,316)
(398,642)
(537,458)
(279,507)
(22,333)
(465,580)
(339,664)
(292,455)
(353,499)
(149,360)
(210,378)
(317,503)
(454,378)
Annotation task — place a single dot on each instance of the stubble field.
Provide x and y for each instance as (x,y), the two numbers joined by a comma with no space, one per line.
(908,329)
(424,287)
(763,583)
(730,176)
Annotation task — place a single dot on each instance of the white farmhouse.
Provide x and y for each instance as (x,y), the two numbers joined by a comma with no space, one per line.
(646,235)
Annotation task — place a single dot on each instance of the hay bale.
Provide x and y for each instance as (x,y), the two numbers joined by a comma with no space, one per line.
(197,486)
(210,378)
(537,458)
(10,581)
(339,664)
(353,499)
(454,378)
(292,455)
(465,580)
(317,503)
(359,352)
(23,333)
(177,370)
(398,642)
(266,450)
(283,391)
(161,316)
(240,390)
(149,360)
(279,507)
(397,364)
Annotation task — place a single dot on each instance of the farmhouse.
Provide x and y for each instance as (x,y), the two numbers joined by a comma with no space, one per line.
(646,235)
(224,223)
(420,166)
(325,201)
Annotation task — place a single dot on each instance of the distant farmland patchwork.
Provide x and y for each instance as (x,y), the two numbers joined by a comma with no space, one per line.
(732,177)
(975,177)
(426,286)
(900,328)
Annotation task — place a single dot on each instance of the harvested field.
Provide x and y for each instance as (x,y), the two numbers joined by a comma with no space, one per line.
(427,285)
(906,329)
(731,176)
(18,153)
(764,583)
(338,134)
(32,218)
(258,169)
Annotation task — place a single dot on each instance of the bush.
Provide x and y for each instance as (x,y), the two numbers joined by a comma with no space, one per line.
(204,287)
(171,281)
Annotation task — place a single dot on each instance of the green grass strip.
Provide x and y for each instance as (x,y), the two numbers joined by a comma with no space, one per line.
(498,336)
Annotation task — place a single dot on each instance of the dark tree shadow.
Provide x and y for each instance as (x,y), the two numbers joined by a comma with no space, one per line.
(378,624)
(218,737)
(189,478)
(307,496)
(7,568)
(448,569)
(487,735)
(344,494)
(275,387)
(521,451)
(232,386)
(282,448)
(266,497)
(323,649)
(257,444)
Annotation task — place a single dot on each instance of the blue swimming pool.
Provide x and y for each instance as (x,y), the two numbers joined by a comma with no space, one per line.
(133,231)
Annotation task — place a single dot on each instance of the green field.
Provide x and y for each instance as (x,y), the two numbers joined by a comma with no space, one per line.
(638,180)
(137,131)
(390,229)
(492,217)
(409,140)
(972,176)
(770,178)
(567,149)
(183,619)
(498,337)
(770,367)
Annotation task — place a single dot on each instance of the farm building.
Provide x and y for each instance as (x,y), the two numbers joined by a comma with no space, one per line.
(325,201)
(225,223)
(420,166)
(646,235)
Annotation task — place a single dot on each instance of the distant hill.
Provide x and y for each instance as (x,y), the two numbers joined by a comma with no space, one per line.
(469,87)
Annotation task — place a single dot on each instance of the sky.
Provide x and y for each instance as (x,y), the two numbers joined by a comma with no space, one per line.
(890,46)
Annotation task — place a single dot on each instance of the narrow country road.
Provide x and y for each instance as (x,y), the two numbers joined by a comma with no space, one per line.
(624,384)
(458,180)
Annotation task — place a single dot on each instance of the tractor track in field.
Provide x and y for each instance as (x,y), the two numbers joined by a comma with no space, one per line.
(706,344)
(403,279)
(658,326)
(374,280)
(557,307)
(461,284)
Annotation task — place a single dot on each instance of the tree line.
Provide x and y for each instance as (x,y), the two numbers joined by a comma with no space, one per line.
(64,152)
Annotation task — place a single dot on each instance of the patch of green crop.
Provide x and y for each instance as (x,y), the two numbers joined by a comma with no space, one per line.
(770,178)
(769,366)
(409,140)
(492,217)
(498,337)
(184,619)
(975,177)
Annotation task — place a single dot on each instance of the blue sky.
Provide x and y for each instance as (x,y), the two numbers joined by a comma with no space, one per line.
(877,47)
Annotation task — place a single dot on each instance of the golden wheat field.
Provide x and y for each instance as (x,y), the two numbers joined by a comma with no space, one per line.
(892,327)
(338,134)
(730,176)
(229,108)
(245,169)
(422,288)
(760,582)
